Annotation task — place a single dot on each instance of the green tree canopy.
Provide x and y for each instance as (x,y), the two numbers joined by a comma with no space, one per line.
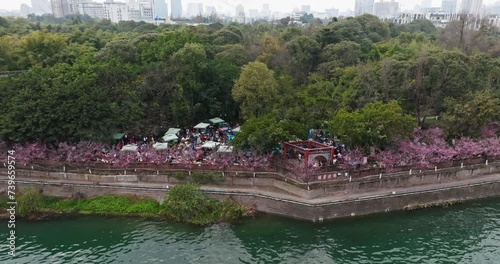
(235,53)
(226,36)
(375,125)
(475,110)
(266,133)
(65,102)
(255,90)
(375,29)
(345,53)
(304,53)
(422,25)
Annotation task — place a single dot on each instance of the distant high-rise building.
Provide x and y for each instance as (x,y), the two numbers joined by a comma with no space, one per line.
(60,8)
(176,9)
(332,12)
(95,10)
(472,7)
(363,7)
(194,9)
(449,6)
(160,9)
(240,11)
(266,12)
(115,11)
(40,7)
(240,14)
(141,10)
(386,9)
(25,10)
(306,9)
(210,10)
(74,6)
(253,13)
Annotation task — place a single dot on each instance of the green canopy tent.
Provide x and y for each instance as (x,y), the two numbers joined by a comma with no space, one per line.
(172,131)
(118,136)
(201,126)
(216,120)
(168,138)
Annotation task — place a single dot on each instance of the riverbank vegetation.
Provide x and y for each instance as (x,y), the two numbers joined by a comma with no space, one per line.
(368,82)
(184,203)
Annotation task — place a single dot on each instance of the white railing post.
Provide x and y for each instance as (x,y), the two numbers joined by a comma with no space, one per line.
(435,168)
(380,177)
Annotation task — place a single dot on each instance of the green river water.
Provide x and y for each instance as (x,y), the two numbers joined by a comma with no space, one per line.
(466,233)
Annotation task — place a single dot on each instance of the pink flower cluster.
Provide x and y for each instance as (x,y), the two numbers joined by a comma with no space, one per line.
(428,147)
(87,153)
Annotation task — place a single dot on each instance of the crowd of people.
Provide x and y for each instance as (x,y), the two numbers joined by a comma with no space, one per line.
(321,136)
(131,139)
(207,140)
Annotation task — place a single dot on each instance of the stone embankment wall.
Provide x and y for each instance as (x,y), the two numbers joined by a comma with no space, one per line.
(302,209)
(313,201)
(339,186)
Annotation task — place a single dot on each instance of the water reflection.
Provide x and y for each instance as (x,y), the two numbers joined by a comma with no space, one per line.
(468,233)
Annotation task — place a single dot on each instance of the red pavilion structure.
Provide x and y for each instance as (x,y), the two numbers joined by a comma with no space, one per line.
(310,151)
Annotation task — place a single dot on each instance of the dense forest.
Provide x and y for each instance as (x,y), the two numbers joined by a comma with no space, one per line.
(367,81)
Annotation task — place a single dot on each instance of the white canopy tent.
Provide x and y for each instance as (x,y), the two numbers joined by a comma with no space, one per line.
(210,144)
(160,146)
(172,131)
(216,120)
(129,147)
(168,138)
(225,149)
(237,130)
(201,126)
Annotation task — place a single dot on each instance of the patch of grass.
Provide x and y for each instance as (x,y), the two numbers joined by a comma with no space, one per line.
(107,204)
(114,204)
(29,202)
(3,202)
(146,206)
(69,205)
(180,175)
(49,201)
(186,203)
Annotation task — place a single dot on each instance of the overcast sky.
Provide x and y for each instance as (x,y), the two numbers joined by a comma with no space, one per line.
(275,5)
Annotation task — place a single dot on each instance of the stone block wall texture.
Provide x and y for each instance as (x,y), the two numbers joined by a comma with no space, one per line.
(288,208)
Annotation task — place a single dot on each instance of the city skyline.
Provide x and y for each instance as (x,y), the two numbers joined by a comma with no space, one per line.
(283,6)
